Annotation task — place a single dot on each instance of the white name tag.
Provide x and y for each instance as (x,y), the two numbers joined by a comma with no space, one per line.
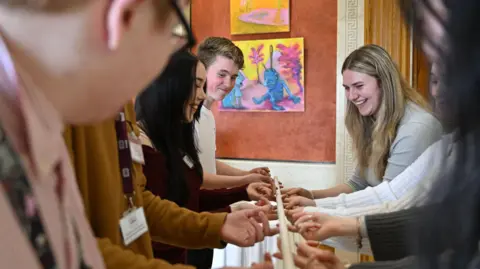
(133,225)
(136,149)
(188,161)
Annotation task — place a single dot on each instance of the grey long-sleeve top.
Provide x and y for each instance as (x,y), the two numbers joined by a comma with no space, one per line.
(417,130)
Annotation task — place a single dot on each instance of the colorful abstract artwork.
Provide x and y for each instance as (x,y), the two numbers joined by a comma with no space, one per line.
(259,16)
(273,77)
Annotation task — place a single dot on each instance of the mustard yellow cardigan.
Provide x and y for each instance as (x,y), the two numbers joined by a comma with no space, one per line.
(94,155)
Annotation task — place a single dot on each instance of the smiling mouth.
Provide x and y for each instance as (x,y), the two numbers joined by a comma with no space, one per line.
(358,103)
(194,107)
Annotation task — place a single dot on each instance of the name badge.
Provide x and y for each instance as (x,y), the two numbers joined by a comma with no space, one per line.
(136,148)
(133,225)
(188,161)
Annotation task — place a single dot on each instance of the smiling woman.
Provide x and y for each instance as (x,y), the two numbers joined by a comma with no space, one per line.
(166,112)
(198,94)
(389,122)
(379,100)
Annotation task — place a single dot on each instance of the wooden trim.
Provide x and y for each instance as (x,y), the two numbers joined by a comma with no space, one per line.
(421,73)
(386,27)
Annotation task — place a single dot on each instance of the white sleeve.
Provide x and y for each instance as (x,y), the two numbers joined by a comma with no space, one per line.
(387,190)
(410,199)
(414,197)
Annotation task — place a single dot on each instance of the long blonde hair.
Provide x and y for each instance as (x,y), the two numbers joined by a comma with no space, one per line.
(372,137)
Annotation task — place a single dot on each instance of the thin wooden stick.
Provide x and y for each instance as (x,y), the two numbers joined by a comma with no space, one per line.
(287,252)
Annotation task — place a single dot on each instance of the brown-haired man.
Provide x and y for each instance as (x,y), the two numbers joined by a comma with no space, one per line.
(223,60)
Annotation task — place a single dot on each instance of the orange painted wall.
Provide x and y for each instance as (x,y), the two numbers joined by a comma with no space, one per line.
(307,136)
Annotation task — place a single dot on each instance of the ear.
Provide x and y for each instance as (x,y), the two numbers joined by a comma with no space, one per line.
(118,19)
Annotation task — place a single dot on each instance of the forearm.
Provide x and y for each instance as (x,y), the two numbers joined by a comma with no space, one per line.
(117,257)
(227,170)
(339,189)
(370,196)
(173,225)
(212,181)
(406,202)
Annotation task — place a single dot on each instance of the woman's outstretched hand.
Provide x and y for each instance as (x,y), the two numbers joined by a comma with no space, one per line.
(309,256)
(320,226)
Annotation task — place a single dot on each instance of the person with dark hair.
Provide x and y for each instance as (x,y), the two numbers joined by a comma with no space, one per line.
(166,112)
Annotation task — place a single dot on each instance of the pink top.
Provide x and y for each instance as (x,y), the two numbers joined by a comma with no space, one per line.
(34,129)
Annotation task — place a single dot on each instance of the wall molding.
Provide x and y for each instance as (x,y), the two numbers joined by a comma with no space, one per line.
(350,36)
(306,175)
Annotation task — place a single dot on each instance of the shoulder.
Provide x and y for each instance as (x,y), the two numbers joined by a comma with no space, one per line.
(206,121)
(206,115)
(419,123)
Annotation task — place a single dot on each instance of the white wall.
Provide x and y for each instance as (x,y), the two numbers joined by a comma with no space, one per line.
(293,174)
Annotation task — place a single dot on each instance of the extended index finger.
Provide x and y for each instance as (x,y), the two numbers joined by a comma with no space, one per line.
(267,230)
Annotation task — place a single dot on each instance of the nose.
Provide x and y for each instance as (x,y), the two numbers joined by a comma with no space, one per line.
(228,83)
(352,95)
(201,95)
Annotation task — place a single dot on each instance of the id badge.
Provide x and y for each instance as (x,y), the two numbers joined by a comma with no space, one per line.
(188,161)
(136,148)
(133,225)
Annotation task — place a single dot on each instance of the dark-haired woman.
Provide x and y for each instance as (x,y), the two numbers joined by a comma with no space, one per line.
(166,111)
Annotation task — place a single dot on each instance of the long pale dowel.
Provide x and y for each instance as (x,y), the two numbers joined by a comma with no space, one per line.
(287,250)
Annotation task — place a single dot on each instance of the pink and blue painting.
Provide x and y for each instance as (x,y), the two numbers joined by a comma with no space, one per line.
(259,16)
(273,77)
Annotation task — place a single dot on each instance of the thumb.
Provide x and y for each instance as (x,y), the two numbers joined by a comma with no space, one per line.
(252,213)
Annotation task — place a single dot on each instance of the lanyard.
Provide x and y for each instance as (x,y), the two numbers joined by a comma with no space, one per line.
(124,155)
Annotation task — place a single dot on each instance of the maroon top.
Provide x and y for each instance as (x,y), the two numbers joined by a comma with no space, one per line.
(218,200)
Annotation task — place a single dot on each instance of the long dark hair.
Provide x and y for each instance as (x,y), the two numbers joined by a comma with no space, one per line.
(160,109)
(451,229)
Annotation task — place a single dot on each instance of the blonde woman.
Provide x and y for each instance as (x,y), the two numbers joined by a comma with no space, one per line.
(390,124)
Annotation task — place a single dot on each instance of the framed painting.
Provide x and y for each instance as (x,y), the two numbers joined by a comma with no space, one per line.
(259,16)
(273,77)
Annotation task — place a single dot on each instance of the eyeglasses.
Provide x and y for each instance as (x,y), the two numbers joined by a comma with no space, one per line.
(183,29)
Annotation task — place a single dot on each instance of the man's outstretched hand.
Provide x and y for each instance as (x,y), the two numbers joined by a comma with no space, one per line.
(246,227)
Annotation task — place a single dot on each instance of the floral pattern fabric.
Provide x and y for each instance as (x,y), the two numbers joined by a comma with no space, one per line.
(18,189)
